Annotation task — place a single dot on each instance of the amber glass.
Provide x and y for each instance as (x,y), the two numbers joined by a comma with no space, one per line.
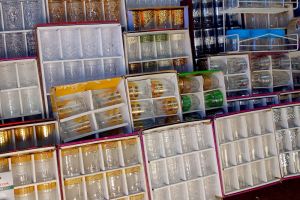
(57,11)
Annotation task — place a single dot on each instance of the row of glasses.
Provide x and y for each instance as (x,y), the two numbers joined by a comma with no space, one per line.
(163,18)
(179,64)
(11,103)
(118,183)
(27,137)
(17,44)
(78,71)
(95,158)
(42,191)
(30,168)
(22,15)
(75,43)
(87,10)
(151,3)
(229,65)
(158,46)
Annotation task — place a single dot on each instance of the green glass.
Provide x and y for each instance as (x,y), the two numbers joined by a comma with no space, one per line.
(214,99)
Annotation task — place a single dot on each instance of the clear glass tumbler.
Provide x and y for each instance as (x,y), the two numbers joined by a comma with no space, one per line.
(70,162)
(44,166)
(91,158)
(22,170)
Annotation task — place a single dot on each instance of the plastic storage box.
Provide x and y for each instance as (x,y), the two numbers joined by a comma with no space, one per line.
(181,161)
(77,53)
(110,168)
(90,108)
(18,19)
(20,91)
(34,174)
(158,50)
(247,151)
(236,69)
(154,99)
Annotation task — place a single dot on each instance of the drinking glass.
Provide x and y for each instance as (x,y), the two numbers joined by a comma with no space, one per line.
(191,166)
(194,191)
(163,18)
(177,18)
(150,66)
(240,82)
(73,71)
(162,87)
(31,44)
(166,106)
(15,43)
(170,143)
(180,64)
(162,194)
(153,146)
(56,11)
(189,85)
(115,185)
(261,79)
(70,162)
(165,65)
(12,15)
(31,101)
(45,135)
(47,191)
(162,45)
(139,89)
(6,142)
(22,170)
(112,10)
(95,187)
(109,118)
(173,165)
(133,178)
(71,43)
(91,158)
(142,109)
(130,152)
(178,44)
(109,43)
(26,193)
(111,67)
(77,126)
(157,173)
(44,166)
(93,70)
(291,117)
(94,10)
(75,11)
(50,45)
(281,78)
(147,19)
(111,155)
(27,74)
(178,192)
(186,140)
(133,48)
(277,116)
(54,75)
(24,137)
(207,163)
(74,189)
(106,97)
(9,76)
(147,47)
(242,177)
(33,13)
(10,103)
(190,102)
(90,42)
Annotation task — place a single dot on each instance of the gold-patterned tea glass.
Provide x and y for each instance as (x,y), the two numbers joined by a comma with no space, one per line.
(106,97)
(163,18)
(56,11)
(93,10)
(75,11)
(45,134)
(24,137)
(112,10)
(162,87)
(5,141)
(166,106)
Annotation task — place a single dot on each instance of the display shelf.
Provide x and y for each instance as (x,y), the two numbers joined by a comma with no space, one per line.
(86,11)
(152,18)
(289,96)
(79,53)
(286,121)
(110,168)
(271,72)
(158,50)
(20,91)
(181,161)
(17,21)
(34,173)
(238,104)
(28,134)
(247,151)
(154,99)
(236,69)
(250,6)
(202,94)
(262,43)
(91,108)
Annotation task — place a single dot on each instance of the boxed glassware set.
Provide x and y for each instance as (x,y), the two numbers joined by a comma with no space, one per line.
(91,108)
